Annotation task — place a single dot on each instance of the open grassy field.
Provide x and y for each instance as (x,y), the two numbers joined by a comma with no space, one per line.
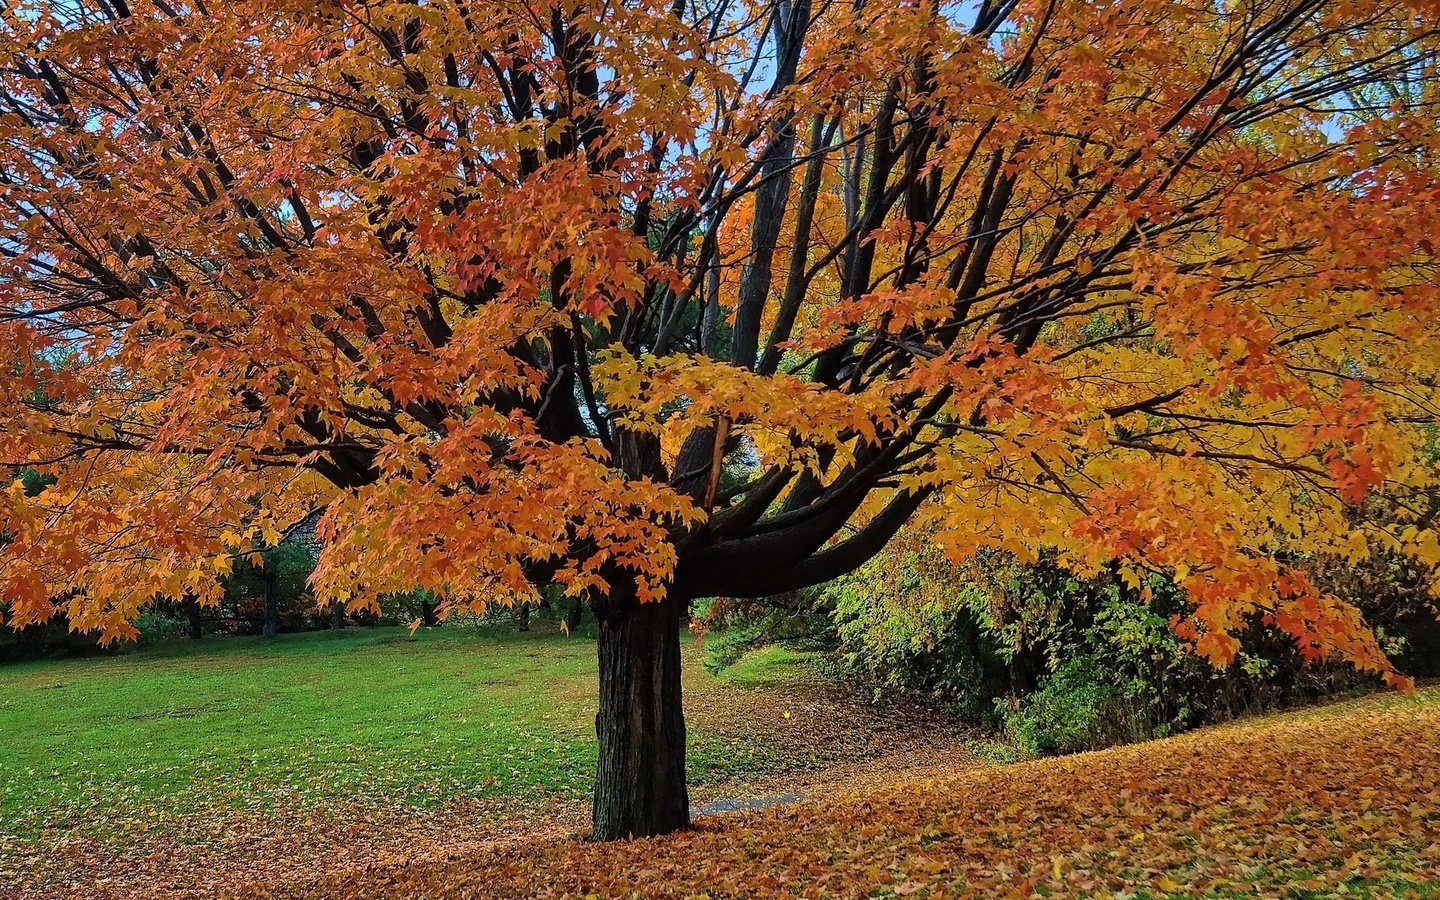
(310,717)
(371,741)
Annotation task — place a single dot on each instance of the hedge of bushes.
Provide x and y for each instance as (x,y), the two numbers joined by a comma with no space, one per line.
(1062,663)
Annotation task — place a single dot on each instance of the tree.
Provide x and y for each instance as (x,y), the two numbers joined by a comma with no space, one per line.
(507,288)
(279,577)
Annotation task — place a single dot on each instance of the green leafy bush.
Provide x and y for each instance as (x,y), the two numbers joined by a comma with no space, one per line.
(156,626)
(1064,663)
(895,631)
(1068,713)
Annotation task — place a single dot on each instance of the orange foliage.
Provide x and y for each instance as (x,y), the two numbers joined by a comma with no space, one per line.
(1148,282)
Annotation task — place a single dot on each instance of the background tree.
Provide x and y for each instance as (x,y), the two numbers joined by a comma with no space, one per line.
(506,287)
(278,577)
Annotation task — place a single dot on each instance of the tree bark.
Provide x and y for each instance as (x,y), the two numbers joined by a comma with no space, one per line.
(272,603)
(640,783)
(337,611)
(192,615)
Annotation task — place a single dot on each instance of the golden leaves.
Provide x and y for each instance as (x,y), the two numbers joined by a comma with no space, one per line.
(787,419)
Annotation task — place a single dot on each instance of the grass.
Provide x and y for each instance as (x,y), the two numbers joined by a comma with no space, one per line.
(285,762)
(325,717)
(310,717)
(772,666)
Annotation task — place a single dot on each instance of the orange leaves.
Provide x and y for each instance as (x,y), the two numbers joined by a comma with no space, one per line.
(1073,270)
(1325,801)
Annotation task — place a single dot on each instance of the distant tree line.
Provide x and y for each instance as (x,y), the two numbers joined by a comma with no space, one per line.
(268,595)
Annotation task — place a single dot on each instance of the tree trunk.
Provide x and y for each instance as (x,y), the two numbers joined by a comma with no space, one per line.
(522,615)
(640,784)
(575,616)
(192,613)
(338,611)
(272,604)
(428,615)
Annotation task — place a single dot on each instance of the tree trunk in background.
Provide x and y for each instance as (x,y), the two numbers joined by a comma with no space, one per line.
(428,616)
(522,615)
(575,616)
(338,614)
(192,614)
(272,603)
(640,783)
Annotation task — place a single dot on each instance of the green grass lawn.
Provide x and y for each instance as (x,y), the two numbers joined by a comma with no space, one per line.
(318,718)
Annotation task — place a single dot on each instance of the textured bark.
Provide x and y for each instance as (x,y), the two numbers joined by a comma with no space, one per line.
(640,784)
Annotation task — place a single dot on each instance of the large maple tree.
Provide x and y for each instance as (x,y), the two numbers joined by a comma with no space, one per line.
(658,300)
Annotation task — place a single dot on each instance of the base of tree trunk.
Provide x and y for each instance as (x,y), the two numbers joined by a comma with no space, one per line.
(640,783)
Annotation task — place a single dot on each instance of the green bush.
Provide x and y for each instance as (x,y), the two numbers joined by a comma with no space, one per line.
(155,626)
(1064,663)
(1069,713)
(898,635)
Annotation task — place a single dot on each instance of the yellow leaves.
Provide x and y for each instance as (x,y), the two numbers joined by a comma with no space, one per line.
(1356,546)
(1168,884)
(223,564)
(1129,577)
(786,419)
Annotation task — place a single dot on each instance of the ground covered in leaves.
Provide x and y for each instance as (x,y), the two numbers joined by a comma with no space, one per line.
(319,768)
(1343,801)
(183,769)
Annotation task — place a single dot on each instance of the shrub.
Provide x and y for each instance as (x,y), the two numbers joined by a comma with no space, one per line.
(155,626)
(1065,663)
(1070,712)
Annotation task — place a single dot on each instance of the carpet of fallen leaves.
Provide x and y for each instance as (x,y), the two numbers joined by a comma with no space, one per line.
(1344,801)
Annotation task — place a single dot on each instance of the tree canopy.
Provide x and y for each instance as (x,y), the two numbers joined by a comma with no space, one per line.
(506,287)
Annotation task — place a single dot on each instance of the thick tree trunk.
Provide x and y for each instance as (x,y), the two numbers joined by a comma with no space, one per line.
(640,784)
(337,612)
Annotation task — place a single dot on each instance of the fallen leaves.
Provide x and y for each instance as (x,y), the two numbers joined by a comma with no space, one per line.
(1346,800)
